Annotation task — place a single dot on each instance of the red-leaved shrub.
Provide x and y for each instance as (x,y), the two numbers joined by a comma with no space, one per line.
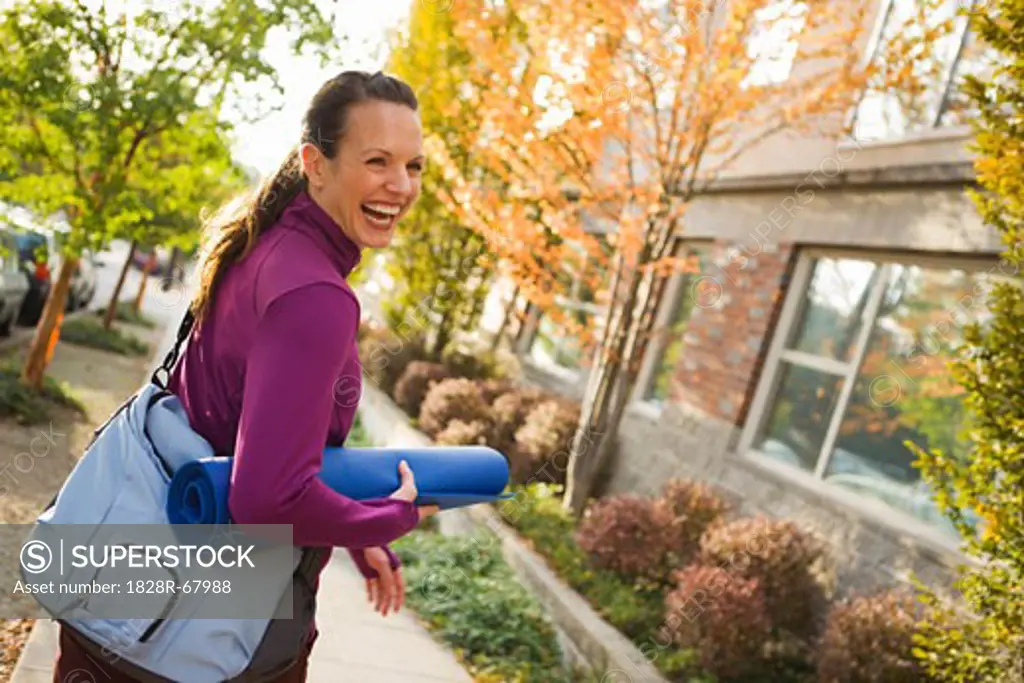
(722,617)
(451,399)
(695,506)
(868,640)
(791,565)
(629,535)
(414,384)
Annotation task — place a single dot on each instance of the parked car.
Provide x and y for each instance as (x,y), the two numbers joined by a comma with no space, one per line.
(40,260)
(33,259)
(158,259)
(14,284)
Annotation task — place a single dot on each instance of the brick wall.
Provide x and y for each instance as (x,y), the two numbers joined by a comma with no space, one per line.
(737,302)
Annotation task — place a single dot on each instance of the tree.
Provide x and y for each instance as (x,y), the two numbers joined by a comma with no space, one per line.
(181,172)
(442,267)
(85,92)
(982,640)
(615,114)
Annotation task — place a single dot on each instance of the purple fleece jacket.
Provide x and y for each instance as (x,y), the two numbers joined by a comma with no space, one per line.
(272,377)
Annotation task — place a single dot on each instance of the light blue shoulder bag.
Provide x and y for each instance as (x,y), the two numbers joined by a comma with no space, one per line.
(123,478)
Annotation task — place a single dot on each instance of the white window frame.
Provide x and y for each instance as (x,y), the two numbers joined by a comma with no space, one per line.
(767,385)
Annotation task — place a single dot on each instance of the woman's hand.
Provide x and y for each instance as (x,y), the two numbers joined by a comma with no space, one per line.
(408,491)
(387,592)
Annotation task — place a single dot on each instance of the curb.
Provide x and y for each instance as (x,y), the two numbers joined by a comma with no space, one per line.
(35,665)
(586,637)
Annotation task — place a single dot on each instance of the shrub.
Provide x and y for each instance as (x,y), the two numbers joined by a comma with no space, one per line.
(91,333)
(459,433)
(545,439)
(451,399)
(695,505)
(492,389)
(470,363)
(414,384)
(385,355)
(508,414)
(869,640)
(790,565)
(723,617)
(629,535)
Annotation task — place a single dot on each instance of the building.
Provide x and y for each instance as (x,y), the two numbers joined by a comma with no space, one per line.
(836,278)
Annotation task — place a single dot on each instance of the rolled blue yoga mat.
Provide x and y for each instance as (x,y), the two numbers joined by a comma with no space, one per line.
(446,476)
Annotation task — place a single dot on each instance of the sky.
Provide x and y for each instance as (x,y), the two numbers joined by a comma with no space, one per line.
(264,145)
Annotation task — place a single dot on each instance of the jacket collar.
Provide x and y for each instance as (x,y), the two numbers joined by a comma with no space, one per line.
(307,215)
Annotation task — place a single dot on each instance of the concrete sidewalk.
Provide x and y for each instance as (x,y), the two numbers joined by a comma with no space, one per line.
(355,643)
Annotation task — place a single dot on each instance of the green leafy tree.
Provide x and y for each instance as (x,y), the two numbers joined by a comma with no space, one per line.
(981,638)
(443,268)
(196,171)
(85,92)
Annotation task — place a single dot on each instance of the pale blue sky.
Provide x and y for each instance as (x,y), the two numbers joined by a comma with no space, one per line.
(263,145)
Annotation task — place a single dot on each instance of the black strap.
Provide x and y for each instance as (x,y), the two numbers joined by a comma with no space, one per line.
(172,355)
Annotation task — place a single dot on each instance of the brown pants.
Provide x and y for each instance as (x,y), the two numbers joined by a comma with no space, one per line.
(75,665)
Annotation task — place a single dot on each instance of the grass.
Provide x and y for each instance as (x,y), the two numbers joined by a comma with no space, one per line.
(91,333)
(31,406)
(126,313)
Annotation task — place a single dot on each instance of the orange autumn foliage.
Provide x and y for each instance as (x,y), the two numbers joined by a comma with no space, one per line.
(611,116)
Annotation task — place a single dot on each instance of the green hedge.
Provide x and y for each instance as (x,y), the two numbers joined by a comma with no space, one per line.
(91,333)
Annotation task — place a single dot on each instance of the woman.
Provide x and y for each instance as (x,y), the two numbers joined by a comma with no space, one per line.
(271,369)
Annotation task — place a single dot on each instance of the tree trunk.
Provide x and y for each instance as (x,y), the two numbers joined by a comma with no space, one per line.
(442,335)
(168,281)
(496,341)
(142,286)
(108,318)
(611,383)
(48,329)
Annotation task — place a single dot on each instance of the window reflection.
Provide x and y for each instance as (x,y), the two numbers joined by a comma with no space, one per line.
(886,114)
(976,59)
(834,307)
(903,390)
(673,340)
(803,407)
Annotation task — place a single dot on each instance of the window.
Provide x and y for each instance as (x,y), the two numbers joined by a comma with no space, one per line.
(561,341)
(977,59)
(667,343)
(558,345)
(887,114)
(864,369)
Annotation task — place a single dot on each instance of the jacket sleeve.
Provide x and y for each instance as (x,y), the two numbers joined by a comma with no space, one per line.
(300,347)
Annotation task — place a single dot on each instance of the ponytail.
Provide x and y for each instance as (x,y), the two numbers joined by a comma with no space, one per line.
(231,237)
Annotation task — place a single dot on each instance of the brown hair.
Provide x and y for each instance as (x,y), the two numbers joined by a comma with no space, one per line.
(231,235)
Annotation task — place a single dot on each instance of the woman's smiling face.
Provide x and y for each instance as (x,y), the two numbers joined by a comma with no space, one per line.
(375,176)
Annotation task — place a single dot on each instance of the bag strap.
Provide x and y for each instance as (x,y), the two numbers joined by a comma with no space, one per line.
(172,355)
